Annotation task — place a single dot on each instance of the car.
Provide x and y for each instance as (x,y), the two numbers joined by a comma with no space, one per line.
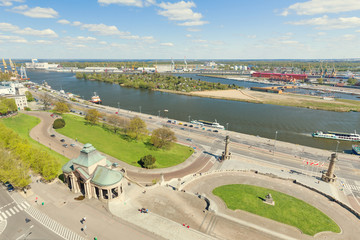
(185,125)
(168,121)
(10,188)
(115,164)
(7,184)
(72,145)
(189,139)
(52,135)
(209,130)
(182,128)
(62,140)
(150,117)
(65,145)
(196,127)
(116,113)
(180,123)
(215,130)
(191,126)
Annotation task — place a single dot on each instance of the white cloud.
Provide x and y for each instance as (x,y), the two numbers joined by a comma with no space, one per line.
(313,7)
(103,42)
(76,23)
(8,3)
(181,11)
(188,35)
(193,30)
(136,3)
(81,38)
(325,22)
(103,29)
(43,42)
(14,39)
(199,41)
(7,27)
(348,37)
(36,12)
(169,44)
(251,36)
(63,21)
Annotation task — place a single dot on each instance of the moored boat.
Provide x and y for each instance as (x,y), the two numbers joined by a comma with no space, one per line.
(208,124)
(356,149)
(354,137)
(95,99)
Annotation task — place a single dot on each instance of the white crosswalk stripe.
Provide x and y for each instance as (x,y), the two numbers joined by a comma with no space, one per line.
(7,212)
(352,187)
(20,207)
(12,211)
(4,215)
(53,225)
(14,207)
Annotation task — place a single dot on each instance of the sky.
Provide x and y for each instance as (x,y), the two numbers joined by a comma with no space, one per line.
(194,29)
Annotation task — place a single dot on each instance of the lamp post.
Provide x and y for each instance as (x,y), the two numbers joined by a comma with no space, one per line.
(275,142)
(29,231)
(118,107)
(337,147)
(189,118)
(159,113)
(227,126)
(140,109)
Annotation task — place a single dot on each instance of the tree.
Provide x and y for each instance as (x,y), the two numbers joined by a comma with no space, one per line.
(29,96)
(320,80)
(92,116)
(147,161)
(61,107)
(162,137)
(137,128)
(59,123)
(351,81)
(46,99)
(116,122)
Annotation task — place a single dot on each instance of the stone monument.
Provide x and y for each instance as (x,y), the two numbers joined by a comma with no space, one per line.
(226,155)
(269,200)
(329,176)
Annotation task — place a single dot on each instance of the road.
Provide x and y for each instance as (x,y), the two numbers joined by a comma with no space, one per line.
(13,217)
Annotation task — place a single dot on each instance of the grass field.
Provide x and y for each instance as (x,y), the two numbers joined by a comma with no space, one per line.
(22,124)
(116,146)
(287,209)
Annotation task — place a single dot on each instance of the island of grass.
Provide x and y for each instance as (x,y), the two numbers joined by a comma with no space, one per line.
(22,124)
(287,209)
(119,146)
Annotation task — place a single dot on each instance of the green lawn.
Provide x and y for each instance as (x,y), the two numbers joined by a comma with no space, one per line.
(287,209)
(22,124)
(114,145)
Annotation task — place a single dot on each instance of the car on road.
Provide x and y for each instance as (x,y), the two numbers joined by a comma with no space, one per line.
(150,117)
(10,188)
(62,140)
(215,130)
(196,127)
(185,125)
(209,130)
(52,135)
(65,145)
(115,164)
(189,139)
(168,121)
(182,128)
(72,145)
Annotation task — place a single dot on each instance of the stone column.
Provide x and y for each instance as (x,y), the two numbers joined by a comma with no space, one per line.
(101,193)
(329,176)
(109,194)
(226,154)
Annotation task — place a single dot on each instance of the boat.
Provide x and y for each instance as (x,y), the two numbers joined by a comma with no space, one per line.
(208,124)
(356,149)
(354,137)
(95,99)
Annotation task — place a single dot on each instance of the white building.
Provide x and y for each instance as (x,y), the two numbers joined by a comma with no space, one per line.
(20,100)
(7,88)
(164,68)
(42,66)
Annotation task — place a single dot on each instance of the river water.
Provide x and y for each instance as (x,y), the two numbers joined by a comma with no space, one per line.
(292,124)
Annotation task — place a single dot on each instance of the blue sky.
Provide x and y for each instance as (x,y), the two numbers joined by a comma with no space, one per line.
(197,29)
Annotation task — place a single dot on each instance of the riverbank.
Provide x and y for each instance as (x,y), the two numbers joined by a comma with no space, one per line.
(285,99)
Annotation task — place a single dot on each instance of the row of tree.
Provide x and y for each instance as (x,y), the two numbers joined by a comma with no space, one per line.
(18,156)
(156,81)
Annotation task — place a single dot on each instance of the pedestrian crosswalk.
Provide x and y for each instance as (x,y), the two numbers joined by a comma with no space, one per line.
(12,209)
(53,225)
(351,187)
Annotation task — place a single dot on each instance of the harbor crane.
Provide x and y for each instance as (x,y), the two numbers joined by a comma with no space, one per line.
(5,66)
(172,65)
(186,66)
(13,68)
(23,75)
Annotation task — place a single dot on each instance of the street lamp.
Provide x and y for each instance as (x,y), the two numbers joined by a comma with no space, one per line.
(227,126)
(337,146)
(140,109)
(29,231)
(189,118)
(275,142)
(159,113)
(118,107)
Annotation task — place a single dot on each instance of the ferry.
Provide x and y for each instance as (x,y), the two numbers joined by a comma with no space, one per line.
(354,137)
(95,99)
(208,124)
(356,149)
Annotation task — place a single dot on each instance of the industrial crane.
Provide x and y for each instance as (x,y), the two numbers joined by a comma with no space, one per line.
(5,66)
(13,67)
(23,75)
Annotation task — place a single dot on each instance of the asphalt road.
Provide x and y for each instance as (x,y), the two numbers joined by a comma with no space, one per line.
(16,225)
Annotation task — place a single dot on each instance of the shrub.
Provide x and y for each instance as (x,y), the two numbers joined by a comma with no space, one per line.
(147,161)
(59,123)
(27,109)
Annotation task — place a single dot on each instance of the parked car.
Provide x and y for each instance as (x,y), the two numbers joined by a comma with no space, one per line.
(150,117)
(115,164)
(62,140)
(52,135)
(10,188)
(72,145)
(215,130)
(65,145)
(189,139)
(168,121)
(185,125)
(209,130)
(190,125)
(182,128)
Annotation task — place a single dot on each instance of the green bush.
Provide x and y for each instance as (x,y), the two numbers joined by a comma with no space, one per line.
(147,161)
(59,123)
(27,109)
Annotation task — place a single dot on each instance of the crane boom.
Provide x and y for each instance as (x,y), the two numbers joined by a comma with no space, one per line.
(5,66)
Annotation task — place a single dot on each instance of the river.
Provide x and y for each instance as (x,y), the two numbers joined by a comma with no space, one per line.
(292,124)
